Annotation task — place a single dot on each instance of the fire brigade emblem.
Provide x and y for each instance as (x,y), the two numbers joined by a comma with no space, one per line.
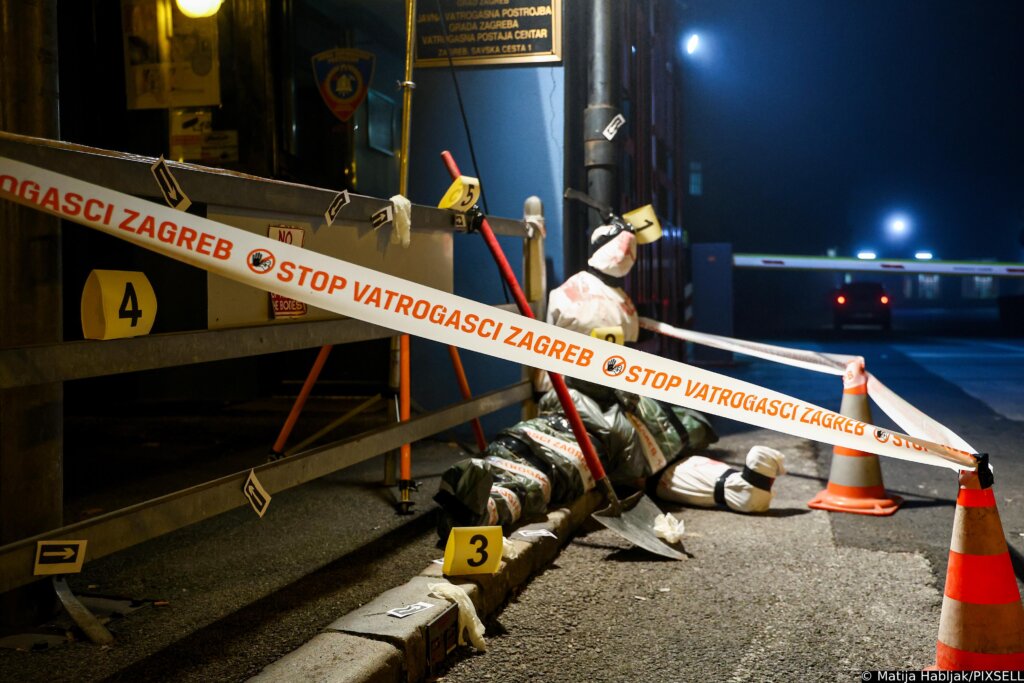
(343,77)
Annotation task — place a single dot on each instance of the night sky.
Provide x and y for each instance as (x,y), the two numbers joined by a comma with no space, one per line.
(815,119)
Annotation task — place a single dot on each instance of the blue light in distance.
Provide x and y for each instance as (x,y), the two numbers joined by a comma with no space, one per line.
(866,255)
(692,43)
(923,255)
(898,225)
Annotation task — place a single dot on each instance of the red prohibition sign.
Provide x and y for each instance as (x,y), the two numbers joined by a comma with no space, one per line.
(614,366)
(259,261)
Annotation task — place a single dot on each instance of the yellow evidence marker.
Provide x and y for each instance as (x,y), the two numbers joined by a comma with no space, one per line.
(645,223)
(117,304)
(462,194)
(615,334)
(473,550)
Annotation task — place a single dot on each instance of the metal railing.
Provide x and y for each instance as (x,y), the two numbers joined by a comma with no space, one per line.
(58,362)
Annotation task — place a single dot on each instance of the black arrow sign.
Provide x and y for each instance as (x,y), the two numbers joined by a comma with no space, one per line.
(382,217)
(254,496)
(58,554)
(172,192)
(612,129)
(339,202)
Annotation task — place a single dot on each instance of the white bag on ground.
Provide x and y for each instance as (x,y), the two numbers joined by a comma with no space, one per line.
(709,483)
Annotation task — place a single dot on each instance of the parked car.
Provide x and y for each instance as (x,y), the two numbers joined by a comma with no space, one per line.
(861,303)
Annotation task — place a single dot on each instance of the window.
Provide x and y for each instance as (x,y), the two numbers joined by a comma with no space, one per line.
(928,286)
(696,179)
(979,287)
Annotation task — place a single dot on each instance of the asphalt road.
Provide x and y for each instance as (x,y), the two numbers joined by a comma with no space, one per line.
(797,594)
(222,599)
(973,385)
(760,598)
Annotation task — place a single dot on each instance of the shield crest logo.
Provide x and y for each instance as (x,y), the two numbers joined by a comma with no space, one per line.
(343,77)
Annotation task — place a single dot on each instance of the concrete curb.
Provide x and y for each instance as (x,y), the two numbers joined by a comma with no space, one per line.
(368,646)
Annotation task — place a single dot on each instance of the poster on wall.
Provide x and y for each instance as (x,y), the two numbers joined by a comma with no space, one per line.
(343,78)
(483,32)
(192,138)
(170,60)
(282,306)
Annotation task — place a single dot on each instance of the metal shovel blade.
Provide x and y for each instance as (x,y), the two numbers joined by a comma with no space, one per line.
(635,523)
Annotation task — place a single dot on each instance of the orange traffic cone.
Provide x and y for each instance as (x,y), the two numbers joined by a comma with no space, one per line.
(982,622)
(855,480)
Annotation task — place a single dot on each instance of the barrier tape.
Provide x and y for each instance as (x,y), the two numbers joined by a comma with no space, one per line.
(909,418)
(832,364)
(784,262)
(397,304)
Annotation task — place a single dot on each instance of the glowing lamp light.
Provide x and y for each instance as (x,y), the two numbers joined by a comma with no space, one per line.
(840,299)
(198,9)
(692,43)
(923,255)
(866,255)
(898,225)
(884,299)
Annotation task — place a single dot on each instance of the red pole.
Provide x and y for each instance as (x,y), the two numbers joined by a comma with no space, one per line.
(300,401)
(589,454)
(460,375)
(405,459)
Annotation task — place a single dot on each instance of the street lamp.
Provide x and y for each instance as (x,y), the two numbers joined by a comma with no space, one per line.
(199,9)
(692,43)
(897,225)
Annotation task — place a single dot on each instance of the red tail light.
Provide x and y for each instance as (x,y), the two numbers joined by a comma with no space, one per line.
(885,299)
(840,299)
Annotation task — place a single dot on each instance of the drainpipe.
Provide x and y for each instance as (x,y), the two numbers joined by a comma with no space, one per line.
(600,155)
